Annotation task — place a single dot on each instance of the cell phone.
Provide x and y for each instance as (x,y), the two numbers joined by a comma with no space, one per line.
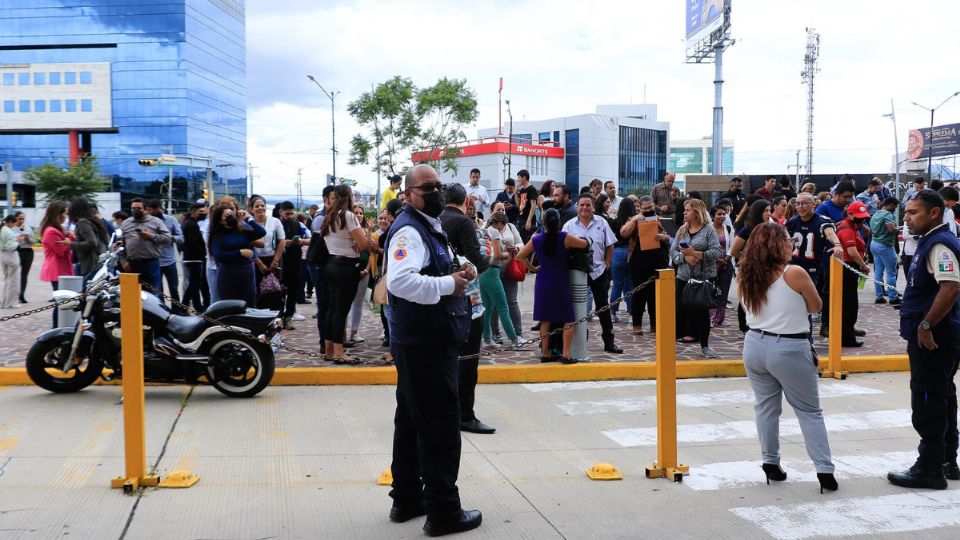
(296,238)
(684,245)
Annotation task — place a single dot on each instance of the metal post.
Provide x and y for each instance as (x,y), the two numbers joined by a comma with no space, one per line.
(8,175)
(930,149)
(666,349)
(170,186)
(717,168)
(134,435)
(834,352)
(333,126)
(798,171)
(896,160)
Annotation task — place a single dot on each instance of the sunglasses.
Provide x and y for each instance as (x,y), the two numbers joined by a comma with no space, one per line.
(427,188)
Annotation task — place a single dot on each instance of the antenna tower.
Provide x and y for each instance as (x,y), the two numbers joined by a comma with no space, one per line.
(810,69)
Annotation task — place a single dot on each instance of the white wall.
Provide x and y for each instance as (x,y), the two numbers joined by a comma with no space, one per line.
(107,203)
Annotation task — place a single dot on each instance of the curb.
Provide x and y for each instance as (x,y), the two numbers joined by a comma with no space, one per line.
(535,373)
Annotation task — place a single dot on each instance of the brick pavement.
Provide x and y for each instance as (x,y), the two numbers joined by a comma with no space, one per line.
(879,321)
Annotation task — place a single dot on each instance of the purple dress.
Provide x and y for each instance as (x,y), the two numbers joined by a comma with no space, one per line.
(551,294)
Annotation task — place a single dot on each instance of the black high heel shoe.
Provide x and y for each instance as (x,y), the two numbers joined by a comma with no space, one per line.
(774,472)
(827,481)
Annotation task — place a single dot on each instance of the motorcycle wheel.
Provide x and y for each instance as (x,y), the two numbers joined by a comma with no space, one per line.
(239,367)
(45,362)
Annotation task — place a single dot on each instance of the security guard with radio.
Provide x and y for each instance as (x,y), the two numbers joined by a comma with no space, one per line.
(429,320)
(929,321)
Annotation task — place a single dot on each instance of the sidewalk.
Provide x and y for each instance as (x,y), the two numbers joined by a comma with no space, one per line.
(301,462)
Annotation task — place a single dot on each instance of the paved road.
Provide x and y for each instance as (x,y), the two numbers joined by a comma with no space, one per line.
(301,462)
(880,322)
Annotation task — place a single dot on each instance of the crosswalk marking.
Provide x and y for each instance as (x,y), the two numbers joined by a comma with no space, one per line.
(699,400)
(746,429)
(914,511)
(595,385)
(737,474)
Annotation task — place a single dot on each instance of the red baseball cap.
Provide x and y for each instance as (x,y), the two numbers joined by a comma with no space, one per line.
(858,210)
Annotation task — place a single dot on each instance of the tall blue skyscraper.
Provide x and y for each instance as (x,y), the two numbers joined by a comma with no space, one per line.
(131,79)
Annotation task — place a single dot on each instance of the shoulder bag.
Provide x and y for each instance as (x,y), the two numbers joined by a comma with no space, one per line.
(701,293)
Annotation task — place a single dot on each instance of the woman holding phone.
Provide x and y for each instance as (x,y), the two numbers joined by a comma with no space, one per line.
(695,255)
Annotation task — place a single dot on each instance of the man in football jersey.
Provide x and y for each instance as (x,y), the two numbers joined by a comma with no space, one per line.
(812,235)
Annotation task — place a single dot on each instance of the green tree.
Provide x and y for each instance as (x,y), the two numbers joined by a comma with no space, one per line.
(80,180)
(401,119)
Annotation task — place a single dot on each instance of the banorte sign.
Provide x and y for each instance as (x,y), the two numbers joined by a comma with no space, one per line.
(497,147)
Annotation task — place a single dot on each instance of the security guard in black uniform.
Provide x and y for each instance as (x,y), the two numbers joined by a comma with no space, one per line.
(929,321)
(429,319)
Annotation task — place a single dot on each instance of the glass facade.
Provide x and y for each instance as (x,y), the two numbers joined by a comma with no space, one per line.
(726,166)
(572,159)
(643,158)
(178,84)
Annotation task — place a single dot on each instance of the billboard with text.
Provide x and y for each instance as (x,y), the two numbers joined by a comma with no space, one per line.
(703,17)
(941,141)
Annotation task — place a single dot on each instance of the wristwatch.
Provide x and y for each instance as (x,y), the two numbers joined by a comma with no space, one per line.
(925,325)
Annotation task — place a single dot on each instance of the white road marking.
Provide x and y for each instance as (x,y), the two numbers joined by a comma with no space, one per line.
(699,400)
(594,385)
(737,474)
(914,511)
(747,429)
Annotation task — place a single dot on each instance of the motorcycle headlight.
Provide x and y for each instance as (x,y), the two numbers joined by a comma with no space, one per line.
(70,299)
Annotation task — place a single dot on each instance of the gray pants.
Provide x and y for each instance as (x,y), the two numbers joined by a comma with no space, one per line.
(9,278)
(784,366)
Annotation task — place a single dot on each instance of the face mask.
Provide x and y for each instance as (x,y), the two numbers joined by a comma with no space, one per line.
(433,204)
(137,214)
(650,213)
(231,221)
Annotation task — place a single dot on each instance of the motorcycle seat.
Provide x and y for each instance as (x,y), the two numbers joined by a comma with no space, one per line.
(187,328)
(225,307)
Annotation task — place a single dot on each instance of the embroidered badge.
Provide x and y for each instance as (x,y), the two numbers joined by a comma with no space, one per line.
(400,254)
(400,241)
(945,261)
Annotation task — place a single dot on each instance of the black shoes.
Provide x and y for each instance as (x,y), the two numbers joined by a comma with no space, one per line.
(896,301)
(611,347)
(476,426)
(915,477)
(859,333)
(774,472)
(465,520)
(854,343)
(827,482)
(880,300)
(400,514)
(951,471)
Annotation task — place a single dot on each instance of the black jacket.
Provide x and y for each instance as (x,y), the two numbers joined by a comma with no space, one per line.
(194,248)
(462,235)
(567,213)
(738,199)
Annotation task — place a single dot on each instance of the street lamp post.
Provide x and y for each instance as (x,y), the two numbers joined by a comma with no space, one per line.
(510,142)
(930,149)
(333,123)
(896,158)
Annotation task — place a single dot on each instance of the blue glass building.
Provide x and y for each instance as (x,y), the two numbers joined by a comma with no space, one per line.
(151,78)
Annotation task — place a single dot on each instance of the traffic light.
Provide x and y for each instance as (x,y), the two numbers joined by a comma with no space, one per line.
(147,162)
(13,198)
(206,195)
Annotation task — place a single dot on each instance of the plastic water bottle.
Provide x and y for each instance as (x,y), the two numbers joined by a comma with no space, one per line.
(476,303)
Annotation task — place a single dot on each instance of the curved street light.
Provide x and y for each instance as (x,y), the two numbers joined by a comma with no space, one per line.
(333,123)
(933,110)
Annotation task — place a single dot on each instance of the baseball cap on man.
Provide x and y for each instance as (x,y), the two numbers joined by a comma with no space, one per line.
(858,210)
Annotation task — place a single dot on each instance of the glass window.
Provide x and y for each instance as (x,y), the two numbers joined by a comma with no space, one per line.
(86,77)
(642,159)
(9,106)
(39,78)
(54,105)
(24,105)
(39,105)
(543,136)
(69,77)
(556,136)
(572,138)
(54,77)
(86,105)
(24,78)
(8,78)
(71,105)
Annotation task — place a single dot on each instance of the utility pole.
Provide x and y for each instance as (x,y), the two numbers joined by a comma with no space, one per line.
(509,142)
(810,69)
(250,169)
(703,50)
(170,185)
(896,158)
(797,167)
(8,174)
(333,122)
(299,189)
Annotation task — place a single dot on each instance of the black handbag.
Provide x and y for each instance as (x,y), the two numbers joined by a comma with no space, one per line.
(581,258)
(702,293)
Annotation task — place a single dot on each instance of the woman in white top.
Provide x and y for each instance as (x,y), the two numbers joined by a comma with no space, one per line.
(345,240)
(511,243)
(356,307)
(268,257)
(777,351)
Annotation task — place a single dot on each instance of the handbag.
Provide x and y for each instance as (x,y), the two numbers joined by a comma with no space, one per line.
(515,270)
(270,284)
(702,293)
(379,295)
(581,258)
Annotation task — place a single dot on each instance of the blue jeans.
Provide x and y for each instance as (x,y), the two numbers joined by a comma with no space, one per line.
(884,261)
(169,274)
(621,280)
(149,270)
(212,284)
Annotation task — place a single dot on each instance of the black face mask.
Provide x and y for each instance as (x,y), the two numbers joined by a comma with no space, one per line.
(433,204)
(137,214)
(650,213)
(232,221)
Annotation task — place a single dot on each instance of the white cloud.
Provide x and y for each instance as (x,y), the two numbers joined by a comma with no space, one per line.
(561,58)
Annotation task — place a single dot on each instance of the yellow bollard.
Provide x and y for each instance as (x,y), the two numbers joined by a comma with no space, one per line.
(666,464)
(134,435)
(834,350)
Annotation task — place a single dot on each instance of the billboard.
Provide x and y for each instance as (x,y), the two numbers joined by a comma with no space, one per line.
(55,97)
(703,17)
(941,141)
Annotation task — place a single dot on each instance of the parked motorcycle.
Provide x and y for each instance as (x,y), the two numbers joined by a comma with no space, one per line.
(177,348)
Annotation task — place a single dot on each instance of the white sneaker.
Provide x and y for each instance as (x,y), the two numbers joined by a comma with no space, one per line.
(707,352)
(519,341)
(489,344)
(298,317)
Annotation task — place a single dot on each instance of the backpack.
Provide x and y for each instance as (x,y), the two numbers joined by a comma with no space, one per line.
(486,245)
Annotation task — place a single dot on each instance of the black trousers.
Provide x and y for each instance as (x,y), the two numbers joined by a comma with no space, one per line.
(933,397)
(823,287)
(342,276)
(26,261)
(323,303)
(691,321)
(600,287)
(196,279)
(468,369)
(426,428)
(292,286)
(643,265)
(851,305)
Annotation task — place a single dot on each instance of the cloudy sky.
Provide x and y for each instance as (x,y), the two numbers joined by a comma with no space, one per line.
(562,57)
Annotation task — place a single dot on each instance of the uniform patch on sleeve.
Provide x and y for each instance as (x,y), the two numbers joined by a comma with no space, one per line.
(945,261)
(400,241)
(400,254)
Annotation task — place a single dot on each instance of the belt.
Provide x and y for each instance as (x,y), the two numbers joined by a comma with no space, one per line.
(800,335)
(341,258)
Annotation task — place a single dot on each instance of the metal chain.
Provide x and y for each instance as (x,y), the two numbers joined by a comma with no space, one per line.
(41,309)
(870,278)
